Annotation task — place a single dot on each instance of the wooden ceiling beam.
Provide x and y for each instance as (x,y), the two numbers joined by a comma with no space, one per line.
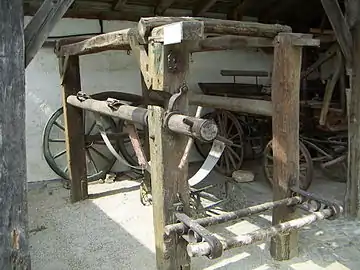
(162,6)
(119,4)
(203,6)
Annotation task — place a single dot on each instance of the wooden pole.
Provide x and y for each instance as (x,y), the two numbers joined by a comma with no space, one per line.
(14,243)
(169,183)
(352,196)
(74,129)
(285,121)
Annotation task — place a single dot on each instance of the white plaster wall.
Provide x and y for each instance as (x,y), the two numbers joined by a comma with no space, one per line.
(107,71)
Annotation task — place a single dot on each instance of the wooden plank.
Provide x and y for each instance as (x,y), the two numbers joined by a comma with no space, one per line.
(166,149)
(74,129)
(117,40)
(253,106)
(340,26)
(285,122)
(202,7)
(39,28)
(14,240)
(162,6)
(215,26)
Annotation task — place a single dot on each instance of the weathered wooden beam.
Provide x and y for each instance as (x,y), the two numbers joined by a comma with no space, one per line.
(178,32)
(169,183)
(352,196)
(340,26)
(162,6)
(74,129)
(285,144)
(253,106)
(231,42)
(40,26)
(215,26)
(119,4)
(118,40)
(14,240)
(96,44)
(202,7)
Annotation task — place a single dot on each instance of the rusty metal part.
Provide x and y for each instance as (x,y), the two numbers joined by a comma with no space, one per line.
(136,143)
(197,233)
(202,129)
(176,97)
(213,220)
(172,61)
(204,249)
(315,203)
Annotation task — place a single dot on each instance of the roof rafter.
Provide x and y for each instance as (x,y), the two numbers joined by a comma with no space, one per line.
(203,6)
(162,6)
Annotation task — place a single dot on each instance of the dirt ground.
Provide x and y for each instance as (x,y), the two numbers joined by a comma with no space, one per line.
(113,230)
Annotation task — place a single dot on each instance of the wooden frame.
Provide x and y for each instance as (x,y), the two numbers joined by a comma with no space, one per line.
(169,182)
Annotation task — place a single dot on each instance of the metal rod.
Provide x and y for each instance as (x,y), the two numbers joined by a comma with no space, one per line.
(208,221)
(204,249)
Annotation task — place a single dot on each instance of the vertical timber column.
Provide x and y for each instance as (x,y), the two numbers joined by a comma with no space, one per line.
(166,149)
(285,122)
(14,243)
(352,197)
(145,188)
(74,129)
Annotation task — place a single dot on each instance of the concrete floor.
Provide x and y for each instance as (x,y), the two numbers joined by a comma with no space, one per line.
(113,230)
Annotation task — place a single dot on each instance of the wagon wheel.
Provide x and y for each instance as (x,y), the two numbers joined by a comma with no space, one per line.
(99,159)
(230,128)
(306,165)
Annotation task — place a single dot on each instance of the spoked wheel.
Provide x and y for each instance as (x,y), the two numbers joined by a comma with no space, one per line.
(99,159)
(230,128)
(306,165)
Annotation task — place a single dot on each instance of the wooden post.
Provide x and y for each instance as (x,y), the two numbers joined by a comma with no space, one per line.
(145,188)
(285,121)
(74,129)
(166,149)
(14,243)
(352,197)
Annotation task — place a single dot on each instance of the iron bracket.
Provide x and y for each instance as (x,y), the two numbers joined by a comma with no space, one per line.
(198,233)
(313,203)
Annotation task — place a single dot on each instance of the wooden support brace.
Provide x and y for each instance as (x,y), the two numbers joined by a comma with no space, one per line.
(215,26)
(142,59)
(40,26)
(285,121)
(74,129)
(169,183)
(118,40)
(14,233)
(340,26)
